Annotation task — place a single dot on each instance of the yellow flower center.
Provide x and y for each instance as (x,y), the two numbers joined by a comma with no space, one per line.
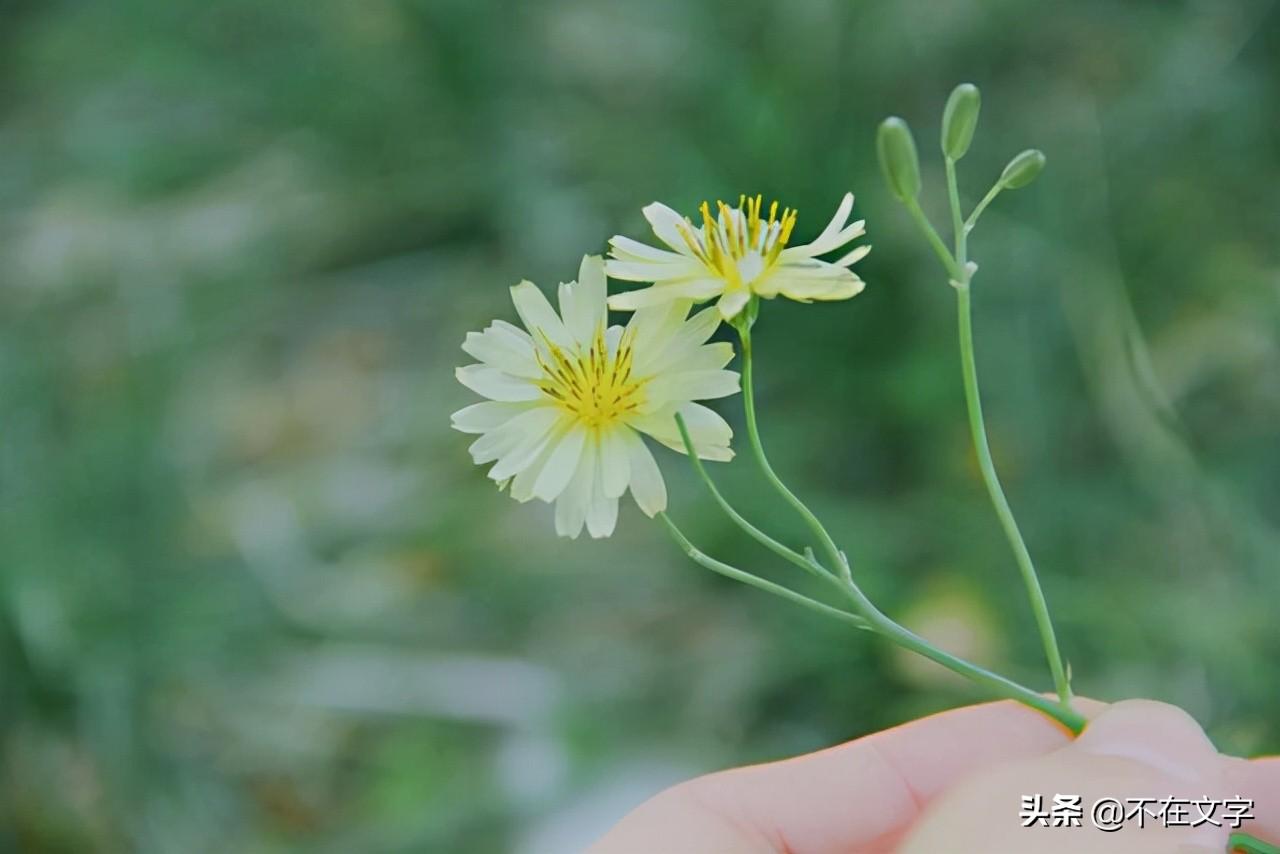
(740,245)
(596,386)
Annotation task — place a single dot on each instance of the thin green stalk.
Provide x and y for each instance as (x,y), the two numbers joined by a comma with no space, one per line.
(876,621)
(978,430)
(753,435)
(751,530)
(999,685)
(957,223)
(702,559)
(1245,843)
(1004,512)
(935,242)
(982,206)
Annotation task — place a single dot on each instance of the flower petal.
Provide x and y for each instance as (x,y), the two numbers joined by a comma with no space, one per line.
(582,303)
(591,281)
(854,257)
(602,511)
(485,416)
(522,484)
(694,289)
(838,283)
(700,327)
(654,271)
(707,357)
(537,428)
(615,470)
(663,342)
(651,329)
(497,385)
(647,486)
(710,356)
(560,465)
(624,248)
(706,428)
(537,315)
(500,350)
(835,235)
(572,504)
(732,303)
(602,516)
(691,385)
(709,432)
(503,440)
(838,220)
(669,226)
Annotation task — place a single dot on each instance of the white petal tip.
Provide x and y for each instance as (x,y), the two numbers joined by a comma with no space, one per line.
(619,302)
(728,312)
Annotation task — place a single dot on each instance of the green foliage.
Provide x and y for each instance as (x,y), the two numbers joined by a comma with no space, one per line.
(254,597)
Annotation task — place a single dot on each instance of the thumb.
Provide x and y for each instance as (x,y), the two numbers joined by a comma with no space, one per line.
(1132,755)
(1157,735)
(1168,742)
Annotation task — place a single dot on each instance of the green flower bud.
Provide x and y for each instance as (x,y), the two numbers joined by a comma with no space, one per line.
(1023,169)
(898,158)
(959,120)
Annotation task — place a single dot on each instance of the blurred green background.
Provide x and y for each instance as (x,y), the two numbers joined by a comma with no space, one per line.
(255,598)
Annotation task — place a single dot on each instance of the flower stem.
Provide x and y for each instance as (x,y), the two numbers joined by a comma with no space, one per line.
(702,559)
(997,684)
(872,616)
(978,431)
(955,270)
(982,206)
(753,435)
(752,531)
(1244,843)
(957,224)
(873,619)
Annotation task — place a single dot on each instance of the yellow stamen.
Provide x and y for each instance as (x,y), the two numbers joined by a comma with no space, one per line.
(595,387)
(725,240)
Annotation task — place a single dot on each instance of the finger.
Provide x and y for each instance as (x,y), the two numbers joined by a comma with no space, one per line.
(1258,779)
(864,794)
(1157,735)
(1134,749)
(931,754)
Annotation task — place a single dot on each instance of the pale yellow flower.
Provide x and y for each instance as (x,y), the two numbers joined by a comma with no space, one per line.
(569,398)
(734,254)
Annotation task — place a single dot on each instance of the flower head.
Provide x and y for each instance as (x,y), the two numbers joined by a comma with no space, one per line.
(569,398)
(734,253)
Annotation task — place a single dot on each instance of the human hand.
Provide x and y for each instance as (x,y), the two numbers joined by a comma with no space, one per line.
(954,782)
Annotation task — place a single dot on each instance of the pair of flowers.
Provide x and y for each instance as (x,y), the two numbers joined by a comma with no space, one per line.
(569,395)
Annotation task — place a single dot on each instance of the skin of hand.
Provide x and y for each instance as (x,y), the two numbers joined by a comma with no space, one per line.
(954,782)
